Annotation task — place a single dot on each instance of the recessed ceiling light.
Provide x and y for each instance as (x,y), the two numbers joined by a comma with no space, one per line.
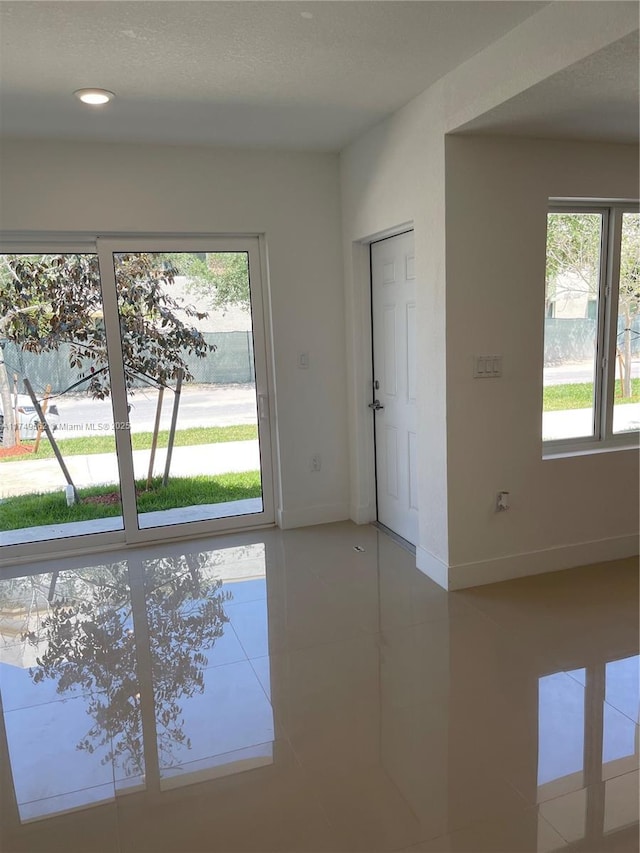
(95,97)
(306,15)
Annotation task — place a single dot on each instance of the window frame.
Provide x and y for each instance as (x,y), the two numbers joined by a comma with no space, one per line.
(603,438)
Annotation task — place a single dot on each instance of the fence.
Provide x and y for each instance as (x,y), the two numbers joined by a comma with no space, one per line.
(230,364)
(573,340)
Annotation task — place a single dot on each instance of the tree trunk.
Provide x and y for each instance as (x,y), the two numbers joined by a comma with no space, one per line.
(626,357)
(9,431)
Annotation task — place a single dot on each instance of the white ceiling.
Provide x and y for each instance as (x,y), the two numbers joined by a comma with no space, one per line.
(594,99)
(231,73)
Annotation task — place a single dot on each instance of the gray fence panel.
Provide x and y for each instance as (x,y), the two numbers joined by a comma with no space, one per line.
(231,364)
(573,340)
(568,340)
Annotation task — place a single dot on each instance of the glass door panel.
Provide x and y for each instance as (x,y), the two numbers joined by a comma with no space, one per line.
(626,401)
(212,717)
(59,472)
(188,333)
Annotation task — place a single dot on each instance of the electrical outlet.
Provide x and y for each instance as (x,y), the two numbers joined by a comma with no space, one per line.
(316,462)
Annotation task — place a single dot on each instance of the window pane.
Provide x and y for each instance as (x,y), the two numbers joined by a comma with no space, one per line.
(52,340)
(626,404)
(187,340)
(571,326)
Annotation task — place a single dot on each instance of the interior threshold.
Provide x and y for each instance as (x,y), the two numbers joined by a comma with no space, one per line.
(403,543)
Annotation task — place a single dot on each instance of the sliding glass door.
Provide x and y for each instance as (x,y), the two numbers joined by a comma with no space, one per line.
(156,383)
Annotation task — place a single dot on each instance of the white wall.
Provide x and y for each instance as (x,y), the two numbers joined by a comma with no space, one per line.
(292,198)
(574,510)
(395,174)
(392,176)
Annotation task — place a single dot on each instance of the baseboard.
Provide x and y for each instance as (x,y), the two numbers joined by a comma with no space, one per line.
(362,513)
(538,562)
(307,517)
(433,567)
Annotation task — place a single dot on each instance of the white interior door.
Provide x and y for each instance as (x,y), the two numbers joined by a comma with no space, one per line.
(393,301)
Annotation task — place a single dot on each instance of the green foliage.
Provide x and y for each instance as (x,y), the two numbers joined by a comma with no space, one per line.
(573,252)
(50,299)
(220,279)
(34,510)
(579,395)
(630,264)
(194,491)
(573,268)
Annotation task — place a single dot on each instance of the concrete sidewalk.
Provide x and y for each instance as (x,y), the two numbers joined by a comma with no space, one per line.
(579,422)
(45,475)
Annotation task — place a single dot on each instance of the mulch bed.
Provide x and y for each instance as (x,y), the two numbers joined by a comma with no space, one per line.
(16,450)
(108,499)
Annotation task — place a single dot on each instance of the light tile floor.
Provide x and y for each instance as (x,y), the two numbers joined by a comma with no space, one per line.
(280,691)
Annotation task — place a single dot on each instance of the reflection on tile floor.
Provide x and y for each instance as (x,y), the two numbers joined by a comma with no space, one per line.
(280,691)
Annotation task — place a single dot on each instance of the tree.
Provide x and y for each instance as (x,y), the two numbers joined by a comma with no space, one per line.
(220,278)
(91,645)
(573,268)
(48,300)
(573,255)
(629,295)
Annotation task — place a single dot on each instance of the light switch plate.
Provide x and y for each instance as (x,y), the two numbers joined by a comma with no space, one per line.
(487,366)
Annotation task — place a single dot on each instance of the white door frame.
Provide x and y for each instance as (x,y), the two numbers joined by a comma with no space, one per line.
(131,535)
(363,507)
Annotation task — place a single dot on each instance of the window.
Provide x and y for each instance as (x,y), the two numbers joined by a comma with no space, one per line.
(591,376)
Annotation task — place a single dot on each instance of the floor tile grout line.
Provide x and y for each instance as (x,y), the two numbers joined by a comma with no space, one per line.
(584,788)
(52,701)
(606,701)
(68,793)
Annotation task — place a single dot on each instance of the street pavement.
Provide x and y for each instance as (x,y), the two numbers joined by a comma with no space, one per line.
(576,423)
(200,406)
(565,374)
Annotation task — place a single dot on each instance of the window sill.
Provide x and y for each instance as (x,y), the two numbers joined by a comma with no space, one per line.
(566,450)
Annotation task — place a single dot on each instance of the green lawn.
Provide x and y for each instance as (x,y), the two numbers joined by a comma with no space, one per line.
(140,441)
(580,396)
(34,510)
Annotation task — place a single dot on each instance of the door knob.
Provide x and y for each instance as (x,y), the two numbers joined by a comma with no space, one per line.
(376,406)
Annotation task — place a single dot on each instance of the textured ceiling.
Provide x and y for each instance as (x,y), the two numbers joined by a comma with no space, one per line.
(594,99)
(231,73)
